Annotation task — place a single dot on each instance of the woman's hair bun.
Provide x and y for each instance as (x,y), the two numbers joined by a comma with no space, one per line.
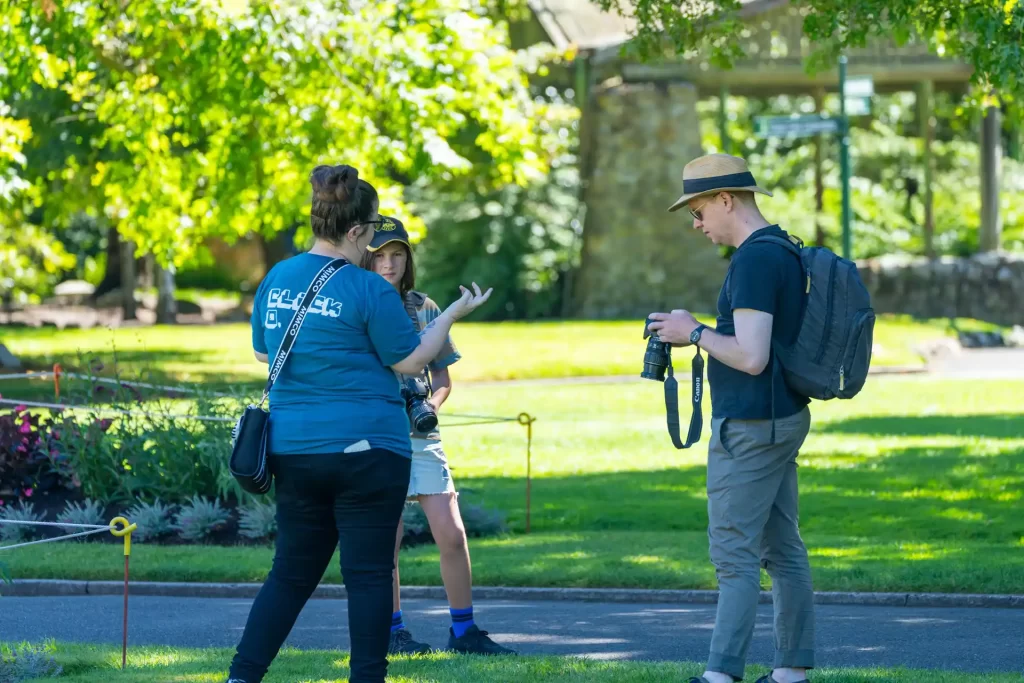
(335,184)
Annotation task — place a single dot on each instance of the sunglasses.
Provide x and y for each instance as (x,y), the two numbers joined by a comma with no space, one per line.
(698,213)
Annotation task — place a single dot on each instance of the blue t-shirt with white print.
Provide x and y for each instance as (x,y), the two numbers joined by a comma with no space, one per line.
(337,388)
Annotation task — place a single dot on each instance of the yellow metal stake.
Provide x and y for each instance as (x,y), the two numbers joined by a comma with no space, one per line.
(527,421)
(124,531)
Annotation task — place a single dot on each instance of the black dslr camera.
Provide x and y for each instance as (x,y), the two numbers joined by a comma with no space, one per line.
(658,356)
(422,415)
(658,361)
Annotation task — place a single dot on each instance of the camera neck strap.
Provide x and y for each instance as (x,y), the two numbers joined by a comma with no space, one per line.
(321,279)
(672,403)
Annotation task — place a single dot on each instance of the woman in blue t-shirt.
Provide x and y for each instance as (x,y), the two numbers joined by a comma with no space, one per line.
(339,434)
(430,483)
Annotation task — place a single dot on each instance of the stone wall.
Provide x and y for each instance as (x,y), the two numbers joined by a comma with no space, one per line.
(987,287)
(636,256)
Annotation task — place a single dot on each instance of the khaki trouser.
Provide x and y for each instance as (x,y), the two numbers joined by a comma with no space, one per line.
(752,515)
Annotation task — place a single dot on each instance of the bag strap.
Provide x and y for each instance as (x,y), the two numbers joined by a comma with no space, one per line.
(672,403)
(283,351)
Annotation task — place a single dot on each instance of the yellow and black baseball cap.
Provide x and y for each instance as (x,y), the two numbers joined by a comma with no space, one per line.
(388,230)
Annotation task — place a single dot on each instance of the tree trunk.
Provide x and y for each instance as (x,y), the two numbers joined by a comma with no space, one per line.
(278,248)
(128,279)
(147,274)
(166,306)
(112,273)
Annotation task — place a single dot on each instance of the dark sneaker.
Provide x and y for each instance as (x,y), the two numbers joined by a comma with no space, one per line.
(475,642)
(401,643)
(771,679)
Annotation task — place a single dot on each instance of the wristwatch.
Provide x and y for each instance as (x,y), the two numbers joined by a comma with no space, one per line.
(695,335)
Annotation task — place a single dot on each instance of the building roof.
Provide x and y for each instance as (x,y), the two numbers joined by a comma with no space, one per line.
(584,24)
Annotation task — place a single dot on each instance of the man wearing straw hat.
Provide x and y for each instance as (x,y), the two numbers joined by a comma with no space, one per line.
(757,424)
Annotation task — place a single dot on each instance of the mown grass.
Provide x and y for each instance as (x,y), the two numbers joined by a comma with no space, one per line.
(915,485)
(222,354)
(100,664)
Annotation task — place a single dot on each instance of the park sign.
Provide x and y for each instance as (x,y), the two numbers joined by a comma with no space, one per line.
(854,100)
(857,92)
(796,126)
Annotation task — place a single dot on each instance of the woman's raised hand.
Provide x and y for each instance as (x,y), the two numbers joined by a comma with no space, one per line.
(468,302)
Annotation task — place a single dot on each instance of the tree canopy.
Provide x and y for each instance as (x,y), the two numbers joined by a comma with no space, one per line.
(181,120)
(987,34)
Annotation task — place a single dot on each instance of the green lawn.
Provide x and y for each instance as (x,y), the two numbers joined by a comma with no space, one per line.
(915,485)
(92,664)
(492,351)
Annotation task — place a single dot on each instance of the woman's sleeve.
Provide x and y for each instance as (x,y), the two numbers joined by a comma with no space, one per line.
(259,344)
(387,324)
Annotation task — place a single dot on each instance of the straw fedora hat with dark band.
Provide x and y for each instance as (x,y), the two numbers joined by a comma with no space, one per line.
(716,173)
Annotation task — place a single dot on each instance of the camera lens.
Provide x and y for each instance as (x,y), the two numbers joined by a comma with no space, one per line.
(656,360)
(423,417)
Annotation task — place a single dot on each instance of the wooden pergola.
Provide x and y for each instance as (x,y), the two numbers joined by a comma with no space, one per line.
(776,52)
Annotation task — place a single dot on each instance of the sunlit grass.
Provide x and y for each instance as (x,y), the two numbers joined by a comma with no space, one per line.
(492,351)
(99,664)
(916,484)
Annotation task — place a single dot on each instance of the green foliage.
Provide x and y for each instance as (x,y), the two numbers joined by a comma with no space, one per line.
(888,183)
(193,121)
(200,518)
(152,450)
(154,520)
(987,34)
(25,661)
(86,512)
(23,511)
(522,240)
(30,258)
(257,520)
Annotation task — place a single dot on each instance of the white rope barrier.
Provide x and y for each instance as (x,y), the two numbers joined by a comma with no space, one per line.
(51,540)
(103,527)
(110,380)
(115,411)
(26,375)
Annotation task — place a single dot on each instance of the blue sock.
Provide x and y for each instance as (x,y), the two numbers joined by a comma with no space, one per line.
(396,621)
(462,619)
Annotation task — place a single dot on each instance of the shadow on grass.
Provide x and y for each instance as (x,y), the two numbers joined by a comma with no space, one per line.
(998,426)
(910,494)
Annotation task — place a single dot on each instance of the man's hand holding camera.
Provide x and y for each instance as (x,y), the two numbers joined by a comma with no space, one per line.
(675,327)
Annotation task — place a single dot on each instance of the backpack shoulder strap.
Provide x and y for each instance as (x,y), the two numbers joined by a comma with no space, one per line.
(793,244)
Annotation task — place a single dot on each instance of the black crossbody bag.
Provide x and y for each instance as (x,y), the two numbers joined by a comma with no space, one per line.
(248,463)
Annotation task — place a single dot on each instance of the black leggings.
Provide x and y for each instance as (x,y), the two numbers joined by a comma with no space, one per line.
(351,500)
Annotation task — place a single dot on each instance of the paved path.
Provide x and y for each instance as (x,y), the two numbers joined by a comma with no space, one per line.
(934,638)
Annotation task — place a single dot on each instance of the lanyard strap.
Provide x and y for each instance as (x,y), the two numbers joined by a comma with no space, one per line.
(672,403)
(321,279)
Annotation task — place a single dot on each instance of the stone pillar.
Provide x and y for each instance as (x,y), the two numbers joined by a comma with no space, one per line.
(636,256)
